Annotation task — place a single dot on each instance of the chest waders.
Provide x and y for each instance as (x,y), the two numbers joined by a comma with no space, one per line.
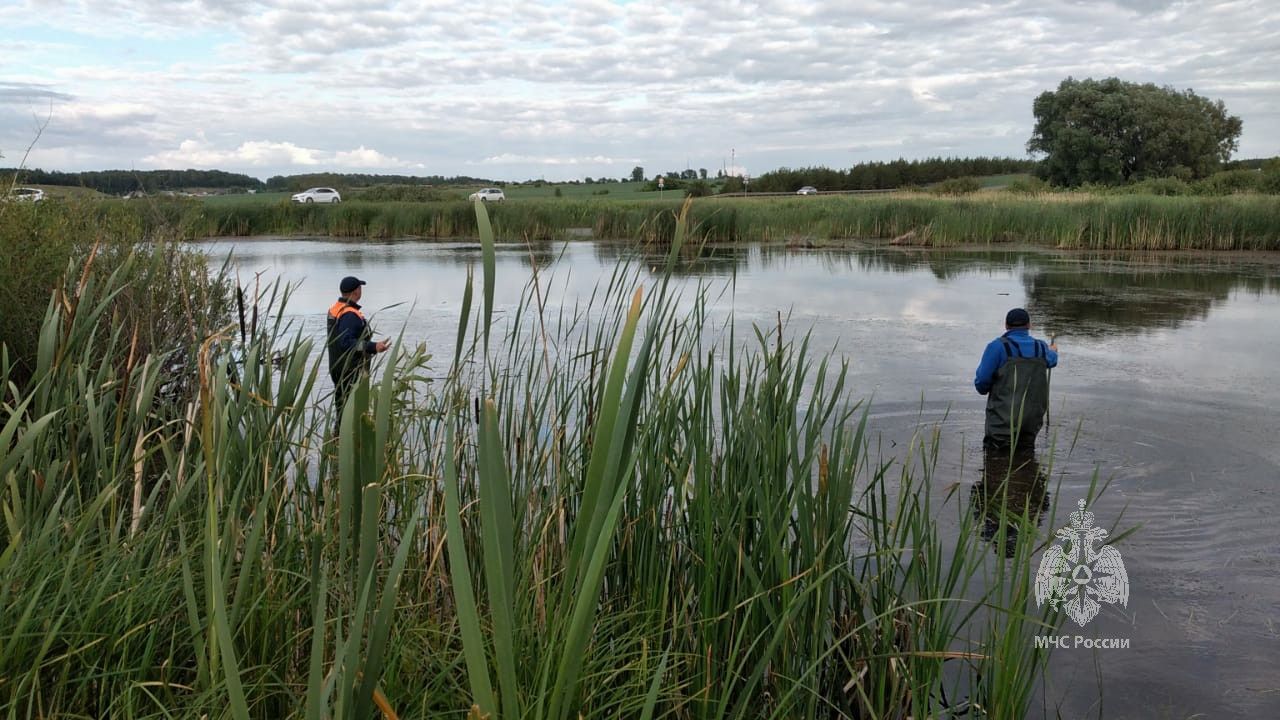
(1019,397)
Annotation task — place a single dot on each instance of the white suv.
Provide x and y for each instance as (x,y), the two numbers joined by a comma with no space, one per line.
(487,195)
(318,195)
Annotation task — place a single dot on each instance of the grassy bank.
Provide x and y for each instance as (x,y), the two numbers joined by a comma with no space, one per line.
(585,518)
(1072,221)
(1065,221)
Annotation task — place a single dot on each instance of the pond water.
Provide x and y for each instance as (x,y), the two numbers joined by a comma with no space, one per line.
(1167,387)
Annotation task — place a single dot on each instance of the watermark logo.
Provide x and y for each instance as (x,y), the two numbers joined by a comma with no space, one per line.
(1075,578)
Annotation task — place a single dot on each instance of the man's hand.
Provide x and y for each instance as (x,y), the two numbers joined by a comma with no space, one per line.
(381,346)
(1053,347)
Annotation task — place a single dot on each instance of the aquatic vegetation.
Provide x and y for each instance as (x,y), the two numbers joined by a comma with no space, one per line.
(1065,220)
(1079,220)
(587,514)
(165,297)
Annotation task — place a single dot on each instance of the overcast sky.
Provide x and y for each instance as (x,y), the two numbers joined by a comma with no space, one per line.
(565,90)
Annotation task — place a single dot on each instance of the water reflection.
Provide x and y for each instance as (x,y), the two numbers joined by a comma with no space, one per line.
(691,261)
(534,253)
(1013,489)
(1105,300)
(942,265)
(1088,294)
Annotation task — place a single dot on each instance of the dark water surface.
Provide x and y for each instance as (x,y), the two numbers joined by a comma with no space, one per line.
(1167,387)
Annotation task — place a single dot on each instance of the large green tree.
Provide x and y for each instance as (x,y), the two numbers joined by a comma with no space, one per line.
(1111,131)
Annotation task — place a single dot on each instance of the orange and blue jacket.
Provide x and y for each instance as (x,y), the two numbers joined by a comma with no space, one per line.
(348,338)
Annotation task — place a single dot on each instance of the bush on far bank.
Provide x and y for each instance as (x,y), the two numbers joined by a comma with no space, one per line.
(957,186)
(169,300)
(1227,182)
(1230,182)
(1030,185)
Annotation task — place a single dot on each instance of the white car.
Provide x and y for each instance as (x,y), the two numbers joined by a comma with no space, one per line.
(26,194)
(318,195)
(807,190)
(487,195)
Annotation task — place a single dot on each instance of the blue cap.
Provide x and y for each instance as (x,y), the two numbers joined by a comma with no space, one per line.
(1017,317)
(350,283)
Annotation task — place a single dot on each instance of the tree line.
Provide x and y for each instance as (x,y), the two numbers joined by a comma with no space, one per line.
(350,180)
(120,182)
(888,175)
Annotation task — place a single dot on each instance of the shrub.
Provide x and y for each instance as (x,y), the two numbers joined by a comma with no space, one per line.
(1028,186)
(1270,182)
(1168,186)
(732,184)
(699,188)
(957,186)
(167,303)
(1229,182)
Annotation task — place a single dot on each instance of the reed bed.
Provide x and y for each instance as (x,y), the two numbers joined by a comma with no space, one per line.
(1064,220)
(593,514)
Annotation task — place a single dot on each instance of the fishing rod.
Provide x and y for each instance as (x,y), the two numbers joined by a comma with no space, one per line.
(1048,384)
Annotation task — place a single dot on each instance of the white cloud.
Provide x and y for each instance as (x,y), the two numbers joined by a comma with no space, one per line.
(200,153)
(510,159)
(571,88)
(368,158)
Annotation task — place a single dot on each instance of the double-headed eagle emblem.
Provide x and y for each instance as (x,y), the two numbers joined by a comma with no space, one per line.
(1077,578)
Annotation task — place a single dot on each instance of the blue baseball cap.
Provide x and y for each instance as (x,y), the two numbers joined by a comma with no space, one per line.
(1016,317)
(350,283)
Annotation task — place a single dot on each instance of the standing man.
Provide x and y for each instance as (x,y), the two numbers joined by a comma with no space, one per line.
(1014,375)
(351,347)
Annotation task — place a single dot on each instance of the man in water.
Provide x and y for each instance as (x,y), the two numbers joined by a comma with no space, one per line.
(1013,486)
(351,347)
(1014,375)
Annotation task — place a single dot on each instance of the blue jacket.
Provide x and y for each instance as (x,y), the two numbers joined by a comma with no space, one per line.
(994,356)
(348,339)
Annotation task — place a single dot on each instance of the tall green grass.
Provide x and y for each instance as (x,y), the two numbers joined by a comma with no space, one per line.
(1075,221)
(168,300)
(593,514)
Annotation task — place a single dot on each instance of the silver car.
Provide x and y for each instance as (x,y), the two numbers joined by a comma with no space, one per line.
(807,190)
